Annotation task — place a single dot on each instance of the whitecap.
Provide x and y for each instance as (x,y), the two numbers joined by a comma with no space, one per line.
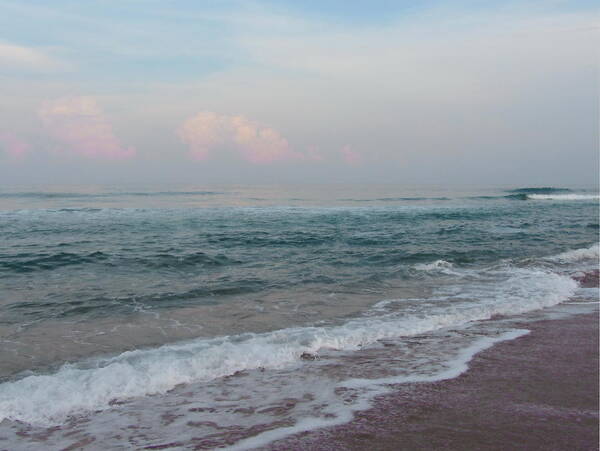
(563,196)
(434,266)
(576,255)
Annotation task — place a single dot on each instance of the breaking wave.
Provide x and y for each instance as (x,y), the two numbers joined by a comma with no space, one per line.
(540,190)
(563,196)
(435,266)
(576,255)
(94,385)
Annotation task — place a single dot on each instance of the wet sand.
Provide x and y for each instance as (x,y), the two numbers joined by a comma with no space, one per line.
(538,392)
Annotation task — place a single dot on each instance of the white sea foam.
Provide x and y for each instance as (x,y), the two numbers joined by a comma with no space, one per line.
(577,255)
(435,266)
(452,369)
(373,388)
(75,389)
(563,196)
(382,306)
(591,293)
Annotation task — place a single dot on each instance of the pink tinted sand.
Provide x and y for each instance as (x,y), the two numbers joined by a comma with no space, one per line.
(538,392)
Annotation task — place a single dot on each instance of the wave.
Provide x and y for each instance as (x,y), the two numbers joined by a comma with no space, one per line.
(26,262)
(95,384)
(486,197)
(539,196)
(22,263)
(102,306)
(515,196)
(571,256)
(167,260)
(394,199)
(577,255)
(520,196)
(434,266)
(563,196)
(77,210)
(540,190)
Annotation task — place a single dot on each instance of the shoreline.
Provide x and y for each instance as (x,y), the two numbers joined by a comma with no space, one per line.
(533,389)
(538,391)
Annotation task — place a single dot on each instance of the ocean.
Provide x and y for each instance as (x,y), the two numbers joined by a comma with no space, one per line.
(211,317)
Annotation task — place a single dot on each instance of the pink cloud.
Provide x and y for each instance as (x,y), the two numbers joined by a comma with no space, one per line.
(314,154)
(256,143)
(350,156)
(79,123)
(14,147)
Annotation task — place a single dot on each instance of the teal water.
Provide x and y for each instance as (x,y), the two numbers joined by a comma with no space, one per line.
(101,253)
(88,273)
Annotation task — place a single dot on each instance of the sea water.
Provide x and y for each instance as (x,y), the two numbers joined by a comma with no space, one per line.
(230,316)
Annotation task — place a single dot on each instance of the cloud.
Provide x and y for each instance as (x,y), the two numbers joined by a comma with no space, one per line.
(14,147)
(79,123)
(207,131)
(313,153)
(16,56)
(351,157)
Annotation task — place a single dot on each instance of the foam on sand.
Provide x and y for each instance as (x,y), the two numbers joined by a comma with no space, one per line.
(370,388)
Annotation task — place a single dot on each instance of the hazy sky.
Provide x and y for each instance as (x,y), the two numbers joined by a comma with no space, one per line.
(316,91)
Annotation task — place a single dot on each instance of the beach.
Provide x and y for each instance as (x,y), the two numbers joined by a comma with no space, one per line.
(384,317)
(539,391)
(298,225)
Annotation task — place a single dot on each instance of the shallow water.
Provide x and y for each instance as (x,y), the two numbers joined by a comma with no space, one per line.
(186,311)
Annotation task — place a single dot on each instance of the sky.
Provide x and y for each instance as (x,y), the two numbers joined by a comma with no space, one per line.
(315,91)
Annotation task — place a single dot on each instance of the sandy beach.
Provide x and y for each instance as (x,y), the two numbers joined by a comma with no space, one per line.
(539,391)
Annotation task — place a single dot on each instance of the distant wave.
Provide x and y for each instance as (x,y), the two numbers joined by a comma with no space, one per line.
(515,196)
(540,190)
(485,197)
(563,196)
(520,196)
(394,199)
(573,196)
